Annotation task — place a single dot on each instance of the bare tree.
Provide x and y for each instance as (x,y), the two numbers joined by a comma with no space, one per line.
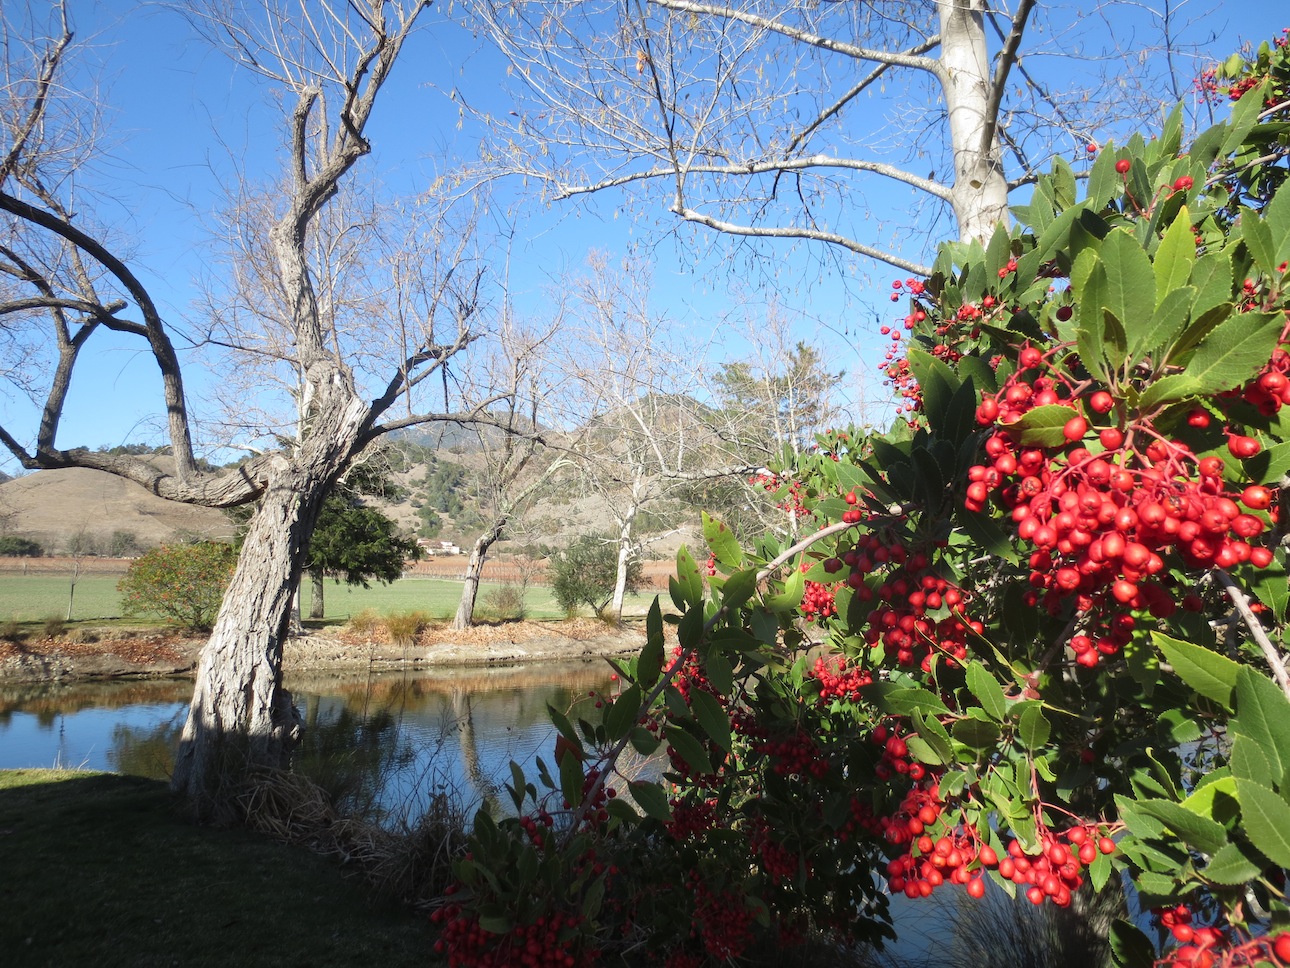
(514,464)
(646,435)
(65,281)
(836,123)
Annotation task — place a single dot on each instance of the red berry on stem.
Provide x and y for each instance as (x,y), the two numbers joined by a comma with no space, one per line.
(1101,402)
(1123,165)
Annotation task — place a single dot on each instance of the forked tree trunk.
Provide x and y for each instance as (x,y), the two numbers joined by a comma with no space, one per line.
(241,719)
(465,616)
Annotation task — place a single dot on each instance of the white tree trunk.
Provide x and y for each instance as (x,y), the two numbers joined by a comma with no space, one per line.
(465,616)
(317,605)
(625,530)
(980,190)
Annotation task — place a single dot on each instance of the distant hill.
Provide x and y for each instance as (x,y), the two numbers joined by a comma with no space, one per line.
(79,509)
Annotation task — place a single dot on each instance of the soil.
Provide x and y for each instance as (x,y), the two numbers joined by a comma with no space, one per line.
(113,653)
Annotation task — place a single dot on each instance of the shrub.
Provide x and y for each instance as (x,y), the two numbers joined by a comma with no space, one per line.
(10,631)
(183,583)
(584,573)
(15,547)
(505,603)
(404,627)
(365,623)
(54,626)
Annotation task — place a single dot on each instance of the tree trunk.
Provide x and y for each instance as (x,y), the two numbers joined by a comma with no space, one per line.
(980,190)
(465,616)
(241,719)
(316,577)
(625,529)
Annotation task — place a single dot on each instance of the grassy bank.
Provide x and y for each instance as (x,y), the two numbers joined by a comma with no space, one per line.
(99,871)
(35,597)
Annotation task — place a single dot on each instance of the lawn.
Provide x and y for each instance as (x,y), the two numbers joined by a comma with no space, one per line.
(34,598)
(99,871)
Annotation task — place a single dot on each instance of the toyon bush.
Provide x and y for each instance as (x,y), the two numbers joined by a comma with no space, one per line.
(1053,601)
(182,583)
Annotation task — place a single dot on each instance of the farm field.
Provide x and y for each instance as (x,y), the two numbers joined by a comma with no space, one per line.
(35,597)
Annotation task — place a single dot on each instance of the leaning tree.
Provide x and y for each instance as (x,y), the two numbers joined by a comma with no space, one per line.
(68,281)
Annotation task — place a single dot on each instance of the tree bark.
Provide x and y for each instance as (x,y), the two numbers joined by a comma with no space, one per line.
(316,608)
(465,616)
(241,720)
(980,190)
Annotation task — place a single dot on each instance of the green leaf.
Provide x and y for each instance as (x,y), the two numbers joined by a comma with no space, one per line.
(975,733)
(1130,284)
(707,710)
(1237,347)
(650,798)
(1202,833)
(1208,673)
(1247,760)
(897,700)
(1232,865)
(650,665)
(1263,714)
(1042,426)
(937,382)
(1169,319)
(1265,818)
(623,714)
(987,691)
(1215,800)
(791,596)
(738,588)
(934,734)
(1258,240)
(687,587)
(571,779)
(721,542)
(924,751)
(1033,728)
(643,741)
(1130,948)
(1212,279)
(1099,872)
(689,749)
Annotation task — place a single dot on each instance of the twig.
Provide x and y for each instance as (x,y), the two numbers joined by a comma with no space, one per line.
(1270,653)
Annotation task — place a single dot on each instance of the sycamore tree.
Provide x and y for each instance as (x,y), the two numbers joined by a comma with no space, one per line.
(836,123)
(1034,639)
(68,280)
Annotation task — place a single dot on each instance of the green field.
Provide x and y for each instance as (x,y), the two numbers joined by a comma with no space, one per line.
(33,598)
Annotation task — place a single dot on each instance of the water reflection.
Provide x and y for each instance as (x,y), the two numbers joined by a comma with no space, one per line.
(387,742)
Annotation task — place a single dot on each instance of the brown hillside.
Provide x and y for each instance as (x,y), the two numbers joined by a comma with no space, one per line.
(54,507)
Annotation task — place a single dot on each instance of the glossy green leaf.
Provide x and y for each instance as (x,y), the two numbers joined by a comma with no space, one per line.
(976,733)
(924,751)
(738,588)
(1042,426)
(1263,715)
(1208,673)
(1259,242)
(1265,818)
(1233,864)
(791,596)
(721,542)
(643,741)
(1215,800)
(689,749)
(1130,291)
(711,716)
(623,714)
(1033,728)
(650,665)
(571,778)
(987,691)
(651,799)
(1202,833)
(1168,320)
(1236,347)
(686,588)
(1130,948)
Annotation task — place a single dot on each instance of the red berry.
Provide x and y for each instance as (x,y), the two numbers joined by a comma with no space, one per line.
(1123,166)
(1243,447)
(976,887)
(1075,429)
(1183,183)
(1106,845)
(1256,496)
(1282,947)
(1101,402)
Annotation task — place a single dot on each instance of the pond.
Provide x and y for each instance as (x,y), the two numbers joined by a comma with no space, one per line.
(394,739)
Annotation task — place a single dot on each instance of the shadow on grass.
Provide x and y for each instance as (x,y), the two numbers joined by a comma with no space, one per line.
(98,869)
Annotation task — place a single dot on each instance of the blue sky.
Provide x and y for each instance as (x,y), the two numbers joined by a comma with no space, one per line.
(167,93)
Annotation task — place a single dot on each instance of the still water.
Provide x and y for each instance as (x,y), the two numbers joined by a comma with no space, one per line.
(401,738)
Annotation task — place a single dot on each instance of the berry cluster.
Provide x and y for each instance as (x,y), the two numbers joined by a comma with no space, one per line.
(545,943)
(1104,509)
(1055,869)
(838,681)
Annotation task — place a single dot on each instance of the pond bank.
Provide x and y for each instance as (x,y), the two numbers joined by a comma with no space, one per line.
(114,653)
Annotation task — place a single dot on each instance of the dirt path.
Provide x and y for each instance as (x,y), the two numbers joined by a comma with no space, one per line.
(114,653)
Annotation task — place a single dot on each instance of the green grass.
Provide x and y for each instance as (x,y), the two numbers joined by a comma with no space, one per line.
(32,598)
(98,870)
